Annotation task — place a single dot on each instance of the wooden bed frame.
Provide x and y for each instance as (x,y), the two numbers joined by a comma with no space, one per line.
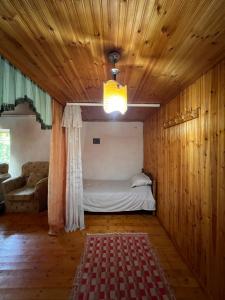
(153,186)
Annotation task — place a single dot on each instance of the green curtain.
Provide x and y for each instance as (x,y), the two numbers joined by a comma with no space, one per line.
(16,88)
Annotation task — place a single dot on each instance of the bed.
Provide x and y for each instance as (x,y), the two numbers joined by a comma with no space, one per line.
(117,196)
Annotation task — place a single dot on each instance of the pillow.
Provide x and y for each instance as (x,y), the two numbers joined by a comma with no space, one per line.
(34,178)
(140,179)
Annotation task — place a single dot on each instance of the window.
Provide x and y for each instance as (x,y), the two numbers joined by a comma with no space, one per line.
(4,145)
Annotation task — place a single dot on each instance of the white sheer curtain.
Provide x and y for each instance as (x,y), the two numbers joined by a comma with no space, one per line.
(74,182)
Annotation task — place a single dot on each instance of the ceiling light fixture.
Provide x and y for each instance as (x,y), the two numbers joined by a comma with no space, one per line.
(114,94)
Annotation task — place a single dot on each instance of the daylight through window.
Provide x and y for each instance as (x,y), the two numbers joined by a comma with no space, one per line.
(4,145)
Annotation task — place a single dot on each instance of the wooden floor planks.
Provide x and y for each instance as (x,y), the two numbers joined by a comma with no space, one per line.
(34,265)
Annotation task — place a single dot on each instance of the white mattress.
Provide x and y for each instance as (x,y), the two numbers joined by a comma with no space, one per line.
(115,196)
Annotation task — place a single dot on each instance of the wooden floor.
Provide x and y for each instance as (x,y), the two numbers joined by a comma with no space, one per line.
(34,265)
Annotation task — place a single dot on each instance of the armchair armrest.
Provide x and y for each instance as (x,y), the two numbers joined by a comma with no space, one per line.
(13,184)
(42,184)
(4,177)
(41,193)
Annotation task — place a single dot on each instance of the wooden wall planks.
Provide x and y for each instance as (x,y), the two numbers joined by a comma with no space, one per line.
(188,162)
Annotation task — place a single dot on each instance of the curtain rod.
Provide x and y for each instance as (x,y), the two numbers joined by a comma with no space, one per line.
(101,104)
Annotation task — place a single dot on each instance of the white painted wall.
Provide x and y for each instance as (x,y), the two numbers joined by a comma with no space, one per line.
(120,154)
(28,141)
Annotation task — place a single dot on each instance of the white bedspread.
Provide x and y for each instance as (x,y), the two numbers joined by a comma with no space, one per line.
(115,196)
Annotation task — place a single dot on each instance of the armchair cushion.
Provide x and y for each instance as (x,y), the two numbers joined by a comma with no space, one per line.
(34,178)
(23,194)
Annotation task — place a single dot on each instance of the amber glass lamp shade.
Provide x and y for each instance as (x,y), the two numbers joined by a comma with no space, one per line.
(114,97)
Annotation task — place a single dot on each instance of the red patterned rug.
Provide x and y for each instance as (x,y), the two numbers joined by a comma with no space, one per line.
(120,266)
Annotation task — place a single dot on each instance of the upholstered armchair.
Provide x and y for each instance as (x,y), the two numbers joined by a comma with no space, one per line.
(28,192)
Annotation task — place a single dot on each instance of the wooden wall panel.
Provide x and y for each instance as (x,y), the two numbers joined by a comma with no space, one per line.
(188,162)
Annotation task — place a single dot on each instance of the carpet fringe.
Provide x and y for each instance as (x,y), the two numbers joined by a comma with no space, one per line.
(117,233)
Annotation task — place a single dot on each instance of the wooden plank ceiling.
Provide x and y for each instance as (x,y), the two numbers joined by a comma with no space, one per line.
(63,45)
